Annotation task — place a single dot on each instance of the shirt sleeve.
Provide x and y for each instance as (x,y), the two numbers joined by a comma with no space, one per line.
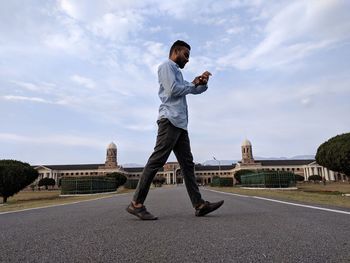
(197,90)
(172,86)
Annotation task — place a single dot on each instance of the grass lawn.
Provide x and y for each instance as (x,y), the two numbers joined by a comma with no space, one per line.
(29,199)
(329,194)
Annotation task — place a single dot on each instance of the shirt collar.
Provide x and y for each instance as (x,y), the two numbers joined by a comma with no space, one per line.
(173,63)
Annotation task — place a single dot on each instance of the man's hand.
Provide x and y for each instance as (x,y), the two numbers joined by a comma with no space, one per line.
(202,79)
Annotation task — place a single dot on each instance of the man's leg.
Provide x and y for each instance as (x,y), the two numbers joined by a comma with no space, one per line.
(184,156)
(166,139)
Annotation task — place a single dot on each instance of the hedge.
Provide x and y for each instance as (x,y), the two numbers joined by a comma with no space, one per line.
(222,181)
(277,179)
(131,183)
(87,185)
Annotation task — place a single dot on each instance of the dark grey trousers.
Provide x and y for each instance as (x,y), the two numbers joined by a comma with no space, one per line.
(169,138)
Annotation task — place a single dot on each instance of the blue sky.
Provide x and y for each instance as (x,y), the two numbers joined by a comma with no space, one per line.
(76,75)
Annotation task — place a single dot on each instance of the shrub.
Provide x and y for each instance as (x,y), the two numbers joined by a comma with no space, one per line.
(46,182)
(315,177)
(299,178)
(158,181)
(120,179)
(32,186)
(14,176)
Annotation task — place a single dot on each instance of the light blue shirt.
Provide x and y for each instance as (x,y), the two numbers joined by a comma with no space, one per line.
(172,93)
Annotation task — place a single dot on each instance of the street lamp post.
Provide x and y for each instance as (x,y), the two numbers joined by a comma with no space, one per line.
(219,165)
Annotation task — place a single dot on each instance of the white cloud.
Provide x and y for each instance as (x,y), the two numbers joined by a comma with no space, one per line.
(23,98)
(68,7)
(69,37)
(26,85)
(117,26)
(153,54)
(83,81)
(112,49)
(235,30)
(296,31)
(306,101)
(53,139)
(43,87)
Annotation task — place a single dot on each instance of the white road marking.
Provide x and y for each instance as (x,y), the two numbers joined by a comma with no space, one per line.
(287,203)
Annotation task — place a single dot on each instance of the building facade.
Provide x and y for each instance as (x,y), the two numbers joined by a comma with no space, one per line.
(205,173)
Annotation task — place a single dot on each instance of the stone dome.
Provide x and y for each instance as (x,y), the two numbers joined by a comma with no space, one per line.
(112,146)
(246,143)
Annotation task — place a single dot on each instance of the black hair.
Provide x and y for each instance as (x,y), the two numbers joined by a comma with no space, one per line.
(177,44)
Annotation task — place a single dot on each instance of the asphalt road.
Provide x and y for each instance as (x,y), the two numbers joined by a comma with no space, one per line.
(243,230)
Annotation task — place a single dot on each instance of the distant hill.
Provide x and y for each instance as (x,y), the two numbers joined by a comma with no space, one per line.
(222,162)
(229,162)
(132,165)
(304,157)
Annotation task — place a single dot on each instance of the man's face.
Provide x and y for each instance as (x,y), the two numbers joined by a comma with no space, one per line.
(182,56)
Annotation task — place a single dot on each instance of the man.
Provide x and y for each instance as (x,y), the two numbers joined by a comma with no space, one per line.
(172,132)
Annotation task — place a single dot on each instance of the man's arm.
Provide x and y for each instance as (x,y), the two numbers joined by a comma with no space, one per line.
(197,89)
(166,77)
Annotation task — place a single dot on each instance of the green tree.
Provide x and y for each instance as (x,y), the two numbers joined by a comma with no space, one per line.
(239,173)
(120,179)
(315,177)
(14,176)
(46,182)
(334,154)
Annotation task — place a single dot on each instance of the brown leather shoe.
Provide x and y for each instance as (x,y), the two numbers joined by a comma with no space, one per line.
(141,212)
(208,208)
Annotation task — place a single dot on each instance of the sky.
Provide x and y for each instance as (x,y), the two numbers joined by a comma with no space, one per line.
(76,75)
